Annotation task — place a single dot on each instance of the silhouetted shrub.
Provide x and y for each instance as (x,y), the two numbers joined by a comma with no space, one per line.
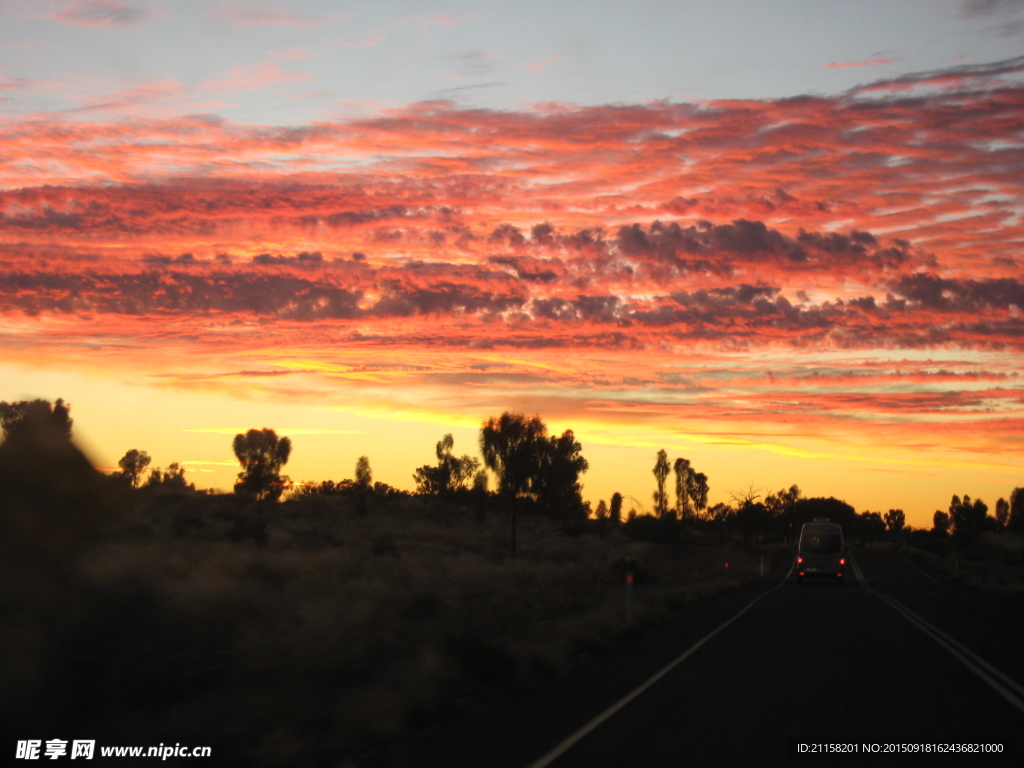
(650,528)
(385,545)
(54,502)
(482,661)
(625,566)
(247,527)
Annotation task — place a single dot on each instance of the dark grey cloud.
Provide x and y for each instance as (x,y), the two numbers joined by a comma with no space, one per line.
(987,7)
(955,295)
(100,13)
(473,63)
(970,77)
(641,280)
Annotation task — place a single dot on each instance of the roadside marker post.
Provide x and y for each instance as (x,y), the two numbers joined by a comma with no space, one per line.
(629,595)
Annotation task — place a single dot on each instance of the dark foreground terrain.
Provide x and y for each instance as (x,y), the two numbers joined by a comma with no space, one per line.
(816,663)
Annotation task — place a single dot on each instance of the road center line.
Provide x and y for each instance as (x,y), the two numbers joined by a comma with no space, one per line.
(1000,682)
(566,744)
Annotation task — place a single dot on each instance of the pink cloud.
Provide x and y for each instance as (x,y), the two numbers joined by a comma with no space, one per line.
(432,19)
(366,42)
(130,100)
(536,66)
(260,75)
(251,16)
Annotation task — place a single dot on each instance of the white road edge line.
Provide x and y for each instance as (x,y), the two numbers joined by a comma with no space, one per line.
(1004,685)
(566,744)
(920,570)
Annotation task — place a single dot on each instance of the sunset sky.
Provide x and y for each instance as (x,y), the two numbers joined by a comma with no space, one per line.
(781,239)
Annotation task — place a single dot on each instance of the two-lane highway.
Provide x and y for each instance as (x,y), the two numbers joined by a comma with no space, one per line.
(891,657)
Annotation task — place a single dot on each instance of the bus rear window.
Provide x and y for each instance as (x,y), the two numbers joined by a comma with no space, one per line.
(821,543)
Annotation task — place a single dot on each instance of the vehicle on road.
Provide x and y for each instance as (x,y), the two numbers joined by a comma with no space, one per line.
(821,553)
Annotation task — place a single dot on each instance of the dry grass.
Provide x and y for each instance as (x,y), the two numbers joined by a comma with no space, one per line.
(342,631)
(993,564)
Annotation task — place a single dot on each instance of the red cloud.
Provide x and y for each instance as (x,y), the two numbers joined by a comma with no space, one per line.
(804,162)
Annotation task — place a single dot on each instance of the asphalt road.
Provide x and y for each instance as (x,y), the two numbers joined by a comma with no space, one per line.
(892,657)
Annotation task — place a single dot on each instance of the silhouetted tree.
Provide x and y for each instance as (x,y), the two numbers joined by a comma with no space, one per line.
(262,454)
(529,465)
(1015,522)
(895,521)
(364,475)
(13,415)
(480,495)
(173,479)
(721,514)
(326,488)
(780,506)
(780,503)
(480,482)
(752,520)
(363,484)
(745,496)
(966,519)
(682,470)
(451,473)
(698,491)
(870,526)
(940,523)
(511,447)
(383,489)
(557,485)
(602,511)
(837,511)
(661,470)
(1002,514)
(132,465)
(615,509)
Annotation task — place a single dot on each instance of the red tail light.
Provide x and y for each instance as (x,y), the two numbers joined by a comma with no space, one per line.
(799,560)
(842,561)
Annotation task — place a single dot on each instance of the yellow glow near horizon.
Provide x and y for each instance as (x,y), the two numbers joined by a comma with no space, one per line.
(114,416)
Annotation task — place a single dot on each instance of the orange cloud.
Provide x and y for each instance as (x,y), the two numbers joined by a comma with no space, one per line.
(810,162)
(808,275)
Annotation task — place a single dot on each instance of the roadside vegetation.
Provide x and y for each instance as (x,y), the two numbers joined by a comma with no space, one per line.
(295,623)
